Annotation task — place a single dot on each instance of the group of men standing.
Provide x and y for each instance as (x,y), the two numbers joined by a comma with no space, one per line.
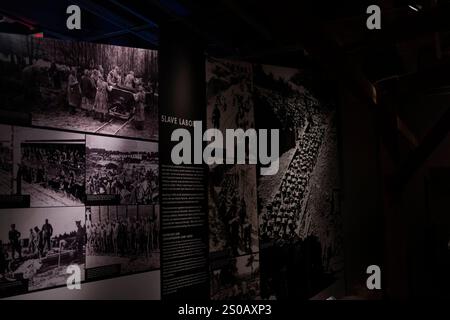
(124,237)
(89,91)
(39,242)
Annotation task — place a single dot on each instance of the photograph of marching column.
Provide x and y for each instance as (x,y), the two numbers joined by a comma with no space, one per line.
(38,245)
(6,160)
(299,209)
(123,168)
(49,166)
(80,86)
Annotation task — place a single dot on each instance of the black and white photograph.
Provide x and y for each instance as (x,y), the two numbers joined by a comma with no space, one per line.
(235,278)
(122,167)
(123,235)
(49,166)
(6,160)
(229,95)
(80,86)
(233,217)
(37,245)
(299,206)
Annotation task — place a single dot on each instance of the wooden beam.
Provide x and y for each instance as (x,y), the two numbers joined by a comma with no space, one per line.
(420,154)
(407,133)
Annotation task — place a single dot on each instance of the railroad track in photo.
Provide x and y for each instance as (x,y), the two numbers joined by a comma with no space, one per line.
(113,126)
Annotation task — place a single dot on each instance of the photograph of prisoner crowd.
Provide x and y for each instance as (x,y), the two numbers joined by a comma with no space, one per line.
(136,186)
(127,168)
(123,236)
(57,167)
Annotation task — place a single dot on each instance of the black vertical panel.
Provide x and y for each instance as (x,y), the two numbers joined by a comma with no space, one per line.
(361,186)
(184,252)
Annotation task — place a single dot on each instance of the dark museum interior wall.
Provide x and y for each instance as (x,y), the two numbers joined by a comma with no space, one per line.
(182,93)
(395,188)
(363,232)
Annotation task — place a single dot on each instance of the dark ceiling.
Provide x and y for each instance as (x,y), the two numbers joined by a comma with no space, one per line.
(252,29)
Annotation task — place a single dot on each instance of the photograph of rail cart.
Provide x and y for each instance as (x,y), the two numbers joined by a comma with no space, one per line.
(126,236)
(37,245)
(49,166)
(80,86)
(124,167)
(6,157)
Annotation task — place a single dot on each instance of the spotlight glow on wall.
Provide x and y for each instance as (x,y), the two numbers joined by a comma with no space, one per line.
(415,8)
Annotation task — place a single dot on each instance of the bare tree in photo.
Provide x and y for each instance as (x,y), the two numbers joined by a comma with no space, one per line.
(57,81)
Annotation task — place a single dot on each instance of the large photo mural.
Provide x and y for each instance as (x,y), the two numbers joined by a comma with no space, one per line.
(299,210)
